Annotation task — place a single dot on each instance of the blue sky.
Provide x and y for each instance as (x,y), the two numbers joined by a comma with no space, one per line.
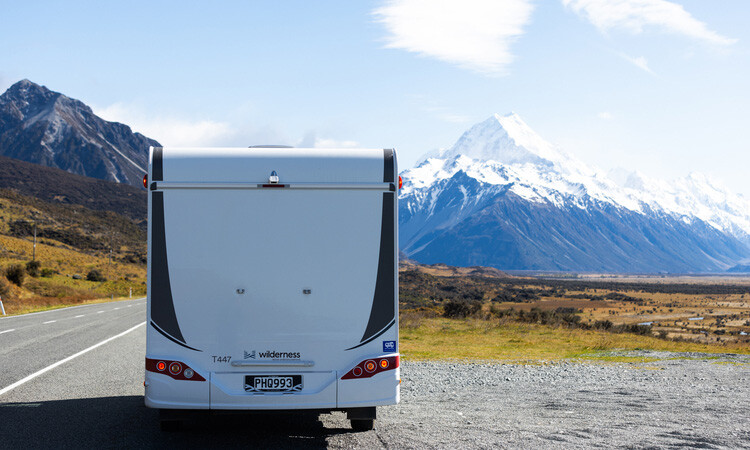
(652,85)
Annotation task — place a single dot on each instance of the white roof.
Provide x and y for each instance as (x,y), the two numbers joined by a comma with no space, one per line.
(292,165)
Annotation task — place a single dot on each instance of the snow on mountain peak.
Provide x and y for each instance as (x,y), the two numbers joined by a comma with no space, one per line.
(504,150)
(504,139)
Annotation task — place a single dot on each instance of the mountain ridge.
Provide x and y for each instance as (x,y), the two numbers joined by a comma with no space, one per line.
(48,128)
(445,195)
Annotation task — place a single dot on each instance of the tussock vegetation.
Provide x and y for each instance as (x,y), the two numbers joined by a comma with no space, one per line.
(704,312)
(506,340)
(81,255)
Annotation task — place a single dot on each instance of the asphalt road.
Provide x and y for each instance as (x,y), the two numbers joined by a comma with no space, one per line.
(32,342)
(95,400)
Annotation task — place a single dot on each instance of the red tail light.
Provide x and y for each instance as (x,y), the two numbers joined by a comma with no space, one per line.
(145,181)
(177,369)
(400,182)
(370,367)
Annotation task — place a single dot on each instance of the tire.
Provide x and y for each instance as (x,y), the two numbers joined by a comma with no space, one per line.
(363,424)
(170,426)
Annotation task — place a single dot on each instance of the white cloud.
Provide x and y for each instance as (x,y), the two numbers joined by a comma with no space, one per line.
(474,34)
(171,131)
(312,140)
(333,143)
(638,61)
(604,115)
(636,15)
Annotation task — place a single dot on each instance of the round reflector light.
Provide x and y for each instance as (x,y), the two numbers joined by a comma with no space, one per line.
(175,368)
(383,363)
(370,366)
(160,366)
(357,371)
(188,372)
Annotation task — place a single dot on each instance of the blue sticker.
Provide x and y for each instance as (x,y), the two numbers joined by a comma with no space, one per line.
(389,346)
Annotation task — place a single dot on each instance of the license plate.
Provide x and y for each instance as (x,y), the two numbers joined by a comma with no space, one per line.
(273,383)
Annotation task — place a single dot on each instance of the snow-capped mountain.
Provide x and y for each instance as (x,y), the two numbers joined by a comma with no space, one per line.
(502,196)
(48,128)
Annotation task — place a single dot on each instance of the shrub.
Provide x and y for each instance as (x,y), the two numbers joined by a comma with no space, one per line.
(32,268)
(95,275)
(47,272)
(459,309)
(15,274)
(4,287)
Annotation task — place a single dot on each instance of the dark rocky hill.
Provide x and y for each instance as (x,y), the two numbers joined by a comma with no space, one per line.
(45,127)
(59,187)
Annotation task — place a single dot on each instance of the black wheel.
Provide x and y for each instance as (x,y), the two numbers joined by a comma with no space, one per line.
(363,424)
(168,420)
(170,425)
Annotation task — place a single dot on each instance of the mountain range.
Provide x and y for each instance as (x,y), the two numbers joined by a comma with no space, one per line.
(48,128)
(504,197)
(501,196)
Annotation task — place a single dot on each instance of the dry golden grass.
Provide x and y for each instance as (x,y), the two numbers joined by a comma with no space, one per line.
(61,289)
(440,338)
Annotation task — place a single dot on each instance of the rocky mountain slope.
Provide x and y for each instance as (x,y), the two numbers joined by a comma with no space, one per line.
(504,197)
(45,127)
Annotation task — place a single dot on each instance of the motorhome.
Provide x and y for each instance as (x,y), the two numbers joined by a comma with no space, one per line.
(272,281)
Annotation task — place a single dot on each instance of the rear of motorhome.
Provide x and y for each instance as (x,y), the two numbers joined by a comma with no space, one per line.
(272,280)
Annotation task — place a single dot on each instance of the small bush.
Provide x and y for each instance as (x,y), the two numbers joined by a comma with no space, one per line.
(459,309)
(15,274)
(47,272)
(4,287)
(95,275)
(32,268)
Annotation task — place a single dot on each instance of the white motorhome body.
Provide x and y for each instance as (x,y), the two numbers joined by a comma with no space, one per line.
(272,280)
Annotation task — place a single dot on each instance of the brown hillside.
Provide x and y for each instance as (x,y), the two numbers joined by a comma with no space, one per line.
(57,186)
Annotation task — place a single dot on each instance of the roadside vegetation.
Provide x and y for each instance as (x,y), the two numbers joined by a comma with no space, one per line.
(444,315)
(80,256)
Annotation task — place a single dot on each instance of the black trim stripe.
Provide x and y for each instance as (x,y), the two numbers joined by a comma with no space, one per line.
(163,333)
(383,304)
(388,163)
(374,337)
(162,304)
(157,165)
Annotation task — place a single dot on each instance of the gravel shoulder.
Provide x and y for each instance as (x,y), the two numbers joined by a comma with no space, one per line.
(670,401)
(676,401)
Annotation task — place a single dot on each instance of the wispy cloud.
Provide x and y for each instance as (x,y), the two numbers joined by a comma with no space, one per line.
(604,115)
(636,15)
(170,131)
(474,34)
(311,139)
(180,132)
(638,61)
(436,110)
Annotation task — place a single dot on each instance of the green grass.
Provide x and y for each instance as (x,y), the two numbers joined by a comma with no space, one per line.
(474,339)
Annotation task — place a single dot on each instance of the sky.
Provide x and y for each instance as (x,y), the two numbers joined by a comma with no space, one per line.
(658,86)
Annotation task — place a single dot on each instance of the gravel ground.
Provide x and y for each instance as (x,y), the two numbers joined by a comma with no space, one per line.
(678,401)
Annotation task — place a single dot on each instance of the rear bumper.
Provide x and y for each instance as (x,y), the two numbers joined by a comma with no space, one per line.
(224,391)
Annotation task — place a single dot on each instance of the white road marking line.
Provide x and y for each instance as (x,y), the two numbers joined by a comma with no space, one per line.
(63,361)
(116,309)
(130,306)
(79,315)
(49,321)
(7,331)
(99,312)
(57,309)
